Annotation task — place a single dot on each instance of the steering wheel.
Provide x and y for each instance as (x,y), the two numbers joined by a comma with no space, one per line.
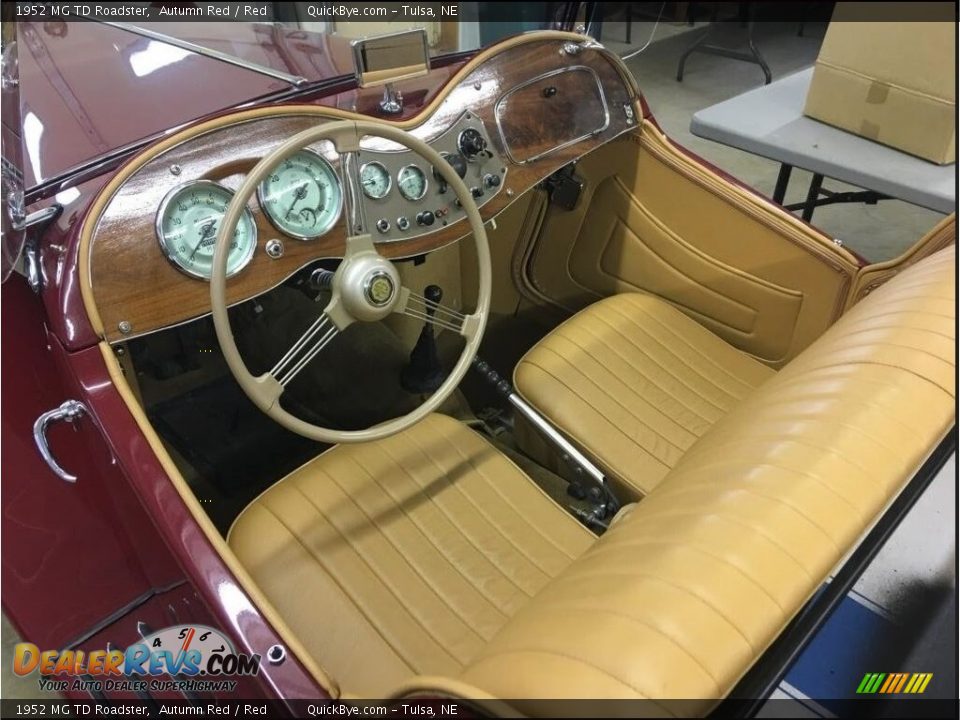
(366,286)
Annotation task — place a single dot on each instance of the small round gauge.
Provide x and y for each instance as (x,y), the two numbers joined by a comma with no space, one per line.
(302,196)
(375,180)
(412,182)
(187,224)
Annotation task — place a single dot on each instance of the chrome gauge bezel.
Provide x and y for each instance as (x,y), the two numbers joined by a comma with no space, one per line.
(171,258)
(386,174)
(426,182)
(335,217)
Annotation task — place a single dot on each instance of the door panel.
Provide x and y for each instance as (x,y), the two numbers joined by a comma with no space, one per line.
(638,252)
(73,553)
(652,219)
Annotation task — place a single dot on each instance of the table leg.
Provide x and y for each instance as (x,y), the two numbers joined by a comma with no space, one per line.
(758,58)
(816,182)
(783,179)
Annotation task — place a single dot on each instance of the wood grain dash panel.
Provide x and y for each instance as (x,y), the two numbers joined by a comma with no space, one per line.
(130,280)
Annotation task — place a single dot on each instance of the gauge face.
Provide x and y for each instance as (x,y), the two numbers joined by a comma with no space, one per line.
(302,196)
(187,225)
(375,180)
(412,182)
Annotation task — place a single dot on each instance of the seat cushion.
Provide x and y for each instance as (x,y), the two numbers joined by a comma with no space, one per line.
(635,382)
(686,592)
(405,555)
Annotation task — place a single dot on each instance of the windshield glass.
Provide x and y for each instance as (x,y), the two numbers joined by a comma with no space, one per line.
(76,74)
(294,39)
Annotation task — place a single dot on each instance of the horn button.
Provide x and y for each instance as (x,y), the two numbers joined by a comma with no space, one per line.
(378,288)
(369,286)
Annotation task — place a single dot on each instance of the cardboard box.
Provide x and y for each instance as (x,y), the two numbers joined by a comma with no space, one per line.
(892,82)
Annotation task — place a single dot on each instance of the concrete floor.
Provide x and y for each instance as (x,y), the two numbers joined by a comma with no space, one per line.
(14,687)
(923,549)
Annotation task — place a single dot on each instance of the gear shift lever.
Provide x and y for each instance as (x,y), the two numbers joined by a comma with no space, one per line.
(424,374)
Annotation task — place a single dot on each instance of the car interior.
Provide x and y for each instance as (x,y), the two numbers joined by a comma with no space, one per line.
(358,388)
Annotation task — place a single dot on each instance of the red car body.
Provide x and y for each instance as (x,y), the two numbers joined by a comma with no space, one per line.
(86,564)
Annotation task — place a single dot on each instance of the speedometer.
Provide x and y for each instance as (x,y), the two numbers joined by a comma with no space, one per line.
(187,224)
(302,196)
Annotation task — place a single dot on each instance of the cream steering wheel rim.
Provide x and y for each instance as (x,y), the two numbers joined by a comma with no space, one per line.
(361,261)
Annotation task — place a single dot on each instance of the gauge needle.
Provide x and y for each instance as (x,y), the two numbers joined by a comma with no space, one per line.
(300,194)
(205,232)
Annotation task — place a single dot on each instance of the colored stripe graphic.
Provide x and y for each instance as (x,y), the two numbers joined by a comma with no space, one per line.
(891,679)
(894,683)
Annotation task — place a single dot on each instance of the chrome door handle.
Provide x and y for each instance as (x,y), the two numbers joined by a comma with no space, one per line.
(70,411)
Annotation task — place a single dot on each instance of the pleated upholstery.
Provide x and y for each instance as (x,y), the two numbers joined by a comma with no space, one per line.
(635,382)
(427,563)
(406,555)
(684,594)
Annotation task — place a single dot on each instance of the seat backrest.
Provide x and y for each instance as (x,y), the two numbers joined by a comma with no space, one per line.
(681,597)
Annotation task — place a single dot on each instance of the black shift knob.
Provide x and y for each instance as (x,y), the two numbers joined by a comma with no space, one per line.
(433,293)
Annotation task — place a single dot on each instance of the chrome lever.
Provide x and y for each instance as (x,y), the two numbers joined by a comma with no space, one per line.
(70,411)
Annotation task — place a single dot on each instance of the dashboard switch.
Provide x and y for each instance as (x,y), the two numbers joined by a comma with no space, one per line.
(425,218)
(403,223)
(471,143)
(476,192)
(383,225)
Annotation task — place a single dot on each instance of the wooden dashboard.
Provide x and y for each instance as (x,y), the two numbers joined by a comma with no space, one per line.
(543,100)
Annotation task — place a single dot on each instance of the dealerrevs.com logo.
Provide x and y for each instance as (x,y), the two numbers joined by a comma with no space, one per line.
(179,658)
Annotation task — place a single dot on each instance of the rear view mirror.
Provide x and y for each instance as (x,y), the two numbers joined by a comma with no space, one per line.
(390,58)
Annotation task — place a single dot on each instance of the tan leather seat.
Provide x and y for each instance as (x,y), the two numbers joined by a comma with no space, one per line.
(428,564)
(635,382)
(404,556)
(686,592)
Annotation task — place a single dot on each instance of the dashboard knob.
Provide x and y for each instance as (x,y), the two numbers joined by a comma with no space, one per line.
(471,143)
(456,161)
(491,181)
(403,223)
(476,192)
(425,218)
(383,225)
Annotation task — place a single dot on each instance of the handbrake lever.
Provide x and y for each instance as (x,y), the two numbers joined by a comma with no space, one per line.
(608,504)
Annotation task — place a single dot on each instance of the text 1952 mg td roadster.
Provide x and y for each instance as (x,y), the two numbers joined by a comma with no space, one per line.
(340,370)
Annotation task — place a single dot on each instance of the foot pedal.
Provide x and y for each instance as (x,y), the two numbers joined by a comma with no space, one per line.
(495,421)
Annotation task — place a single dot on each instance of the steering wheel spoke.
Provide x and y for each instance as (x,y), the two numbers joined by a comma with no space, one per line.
(357,244)
(436,313)
(314,339)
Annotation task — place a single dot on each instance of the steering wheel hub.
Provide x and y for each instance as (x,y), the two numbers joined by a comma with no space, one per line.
(378,288)
(367,284)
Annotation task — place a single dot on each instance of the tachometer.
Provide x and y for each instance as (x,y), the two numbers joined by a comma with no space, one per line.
(375,180)
(302,196)
(187,224)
